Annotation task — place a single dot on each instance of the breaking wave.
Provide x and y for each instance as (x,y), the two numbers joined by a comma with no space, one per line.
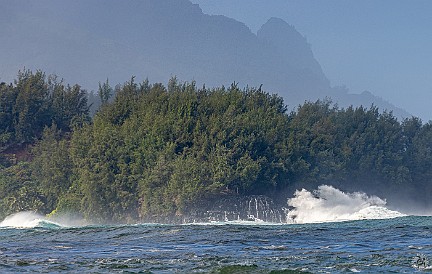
(325,204)
(328,204)
(28,219)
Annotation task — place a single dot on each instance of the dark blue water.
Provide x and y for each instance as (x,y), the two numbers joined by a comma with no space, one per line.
(372,246)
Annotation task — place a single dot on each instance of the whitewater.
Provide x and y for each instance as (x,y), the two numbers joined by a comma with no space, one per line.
(328,204)
(327,231)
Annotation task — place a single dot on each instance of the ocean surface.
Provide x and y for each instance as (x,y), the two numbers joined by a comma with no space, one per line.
(325,231)
(395,245)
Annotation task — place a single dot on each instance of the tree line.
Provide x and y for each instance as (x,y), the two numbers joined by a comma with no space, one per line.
(155,153)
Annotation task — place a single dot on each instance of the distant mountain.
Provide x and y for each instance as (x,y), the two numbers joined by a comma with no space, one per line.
(87,41)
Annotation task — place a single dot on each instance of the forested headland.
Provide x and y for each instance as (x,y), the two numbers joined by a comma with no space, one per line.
(153,152)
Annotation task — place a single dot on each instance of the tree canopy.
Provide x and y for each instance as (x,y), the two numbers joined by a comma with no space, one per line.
(36,101)
(157,153)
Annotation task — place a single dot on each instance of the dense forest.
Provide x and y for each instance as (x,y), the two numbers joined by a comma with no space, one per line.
(153,152)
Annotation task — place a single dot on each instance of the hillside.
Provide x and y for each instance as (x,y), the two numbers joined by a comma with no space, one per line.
(176,153)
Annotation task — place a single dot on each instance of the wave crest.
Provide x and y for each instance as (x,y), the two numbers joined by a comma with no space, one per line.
(28,219)
(328,204)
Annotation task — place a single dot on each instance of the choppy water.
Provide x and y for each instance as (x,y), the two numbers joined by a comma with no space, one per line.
(401,244)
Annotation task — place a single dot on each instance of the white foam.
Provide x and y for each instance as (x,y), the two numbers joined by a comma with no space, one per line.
(25,219)
(239,222)
(328,204)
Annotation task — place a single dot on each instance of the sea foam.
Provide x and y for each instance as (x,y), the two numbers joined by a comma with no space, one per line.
(27,219)
(328,204)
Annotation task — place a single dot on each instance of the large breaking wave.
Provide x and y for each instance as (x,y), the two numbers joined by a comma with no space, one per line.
(325,204)
(328,204)
(28,219)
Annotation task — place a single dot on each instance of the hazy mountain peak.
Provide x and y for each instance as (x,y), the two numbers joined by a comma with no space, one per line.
(87,41)
(283,34)
(292,45)
(275,24)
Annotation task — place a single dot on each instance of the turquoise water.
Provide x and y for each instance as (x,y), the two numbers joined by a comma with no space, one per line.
(372,246)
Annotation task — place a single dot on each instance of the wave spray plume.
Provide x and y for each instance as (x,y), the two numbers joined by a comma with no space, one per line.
(27,219)
(328,204)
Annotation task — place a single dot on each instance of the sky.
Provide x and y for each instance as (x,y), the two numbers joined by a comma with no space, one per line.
(382,46)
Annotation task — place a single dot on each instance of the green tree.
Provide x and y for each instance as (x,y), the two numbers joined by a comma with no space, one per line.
(52,165)
(105,92)
(31,111)
(19,191)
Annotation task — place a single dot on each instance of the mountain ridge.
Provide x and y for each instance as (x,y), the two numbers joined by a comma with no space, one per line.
(89,41)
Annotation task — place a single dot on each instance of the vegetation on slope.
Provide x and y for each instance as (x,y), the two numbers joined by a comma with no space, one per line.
(157,153)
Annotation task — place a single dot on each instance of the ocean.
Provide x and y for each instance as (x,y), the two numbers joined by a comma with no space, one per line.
(395,245)
(372,239)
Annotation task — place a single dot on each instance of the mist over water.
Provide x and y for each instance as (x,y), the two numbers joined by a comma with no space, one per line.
(30,219)
(323,205)
(328,204)
(26,219)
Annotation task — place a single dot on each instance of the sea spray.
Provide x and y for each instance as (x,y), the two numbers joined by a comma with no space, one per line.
(28,219)
(255,208)
(328,204)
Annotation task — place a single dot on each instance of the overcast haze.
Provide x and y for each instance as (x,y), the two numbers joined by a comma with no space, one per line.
(380,46)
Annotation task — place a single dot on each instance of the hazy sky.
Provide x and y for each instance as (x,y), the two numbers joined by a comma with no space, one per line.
(383,46)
